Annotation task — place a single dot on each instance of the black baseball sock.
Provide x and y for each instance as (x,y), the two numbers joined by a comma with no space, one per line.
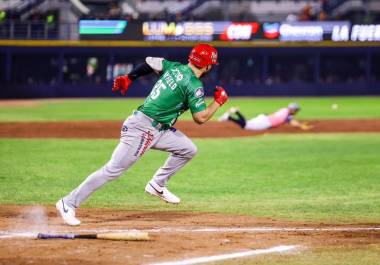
(240,120)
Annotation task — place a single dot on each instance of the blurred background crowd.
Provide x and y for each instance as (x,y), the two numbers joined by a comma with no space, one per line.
(358,11)
(60,19)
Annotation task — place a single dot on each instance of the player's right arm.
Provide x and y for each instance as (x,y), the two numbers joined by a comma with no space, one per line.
(151,64)
(220,97)
(298,124)
(302,125)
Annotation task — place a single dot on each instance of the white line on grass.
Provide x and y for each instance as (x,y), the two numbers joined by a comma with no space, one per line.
(278,249)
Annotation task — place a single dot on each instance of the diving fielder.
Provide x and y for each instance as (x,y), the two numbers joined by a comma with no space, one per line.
(264,121)
(150,126)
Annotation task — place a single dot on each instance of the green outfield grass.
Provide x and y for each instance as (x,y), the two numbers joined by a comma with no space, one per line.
(332,178)
(370,255)
(119,109)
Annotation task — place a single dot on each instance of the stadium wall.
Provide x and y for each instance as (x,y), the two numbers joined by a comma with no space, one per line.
(354,67)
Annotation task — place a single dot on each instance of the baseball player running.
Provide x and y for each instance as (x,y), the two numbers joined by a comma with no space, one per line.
(150,126)
(263,121)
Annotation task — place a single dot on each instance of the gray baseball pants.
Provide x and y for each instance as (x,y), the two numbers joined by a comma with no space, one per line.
(137,136)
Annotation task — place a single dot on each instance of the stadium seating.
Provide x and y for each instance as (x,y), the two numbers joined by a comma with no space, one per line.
(261,10)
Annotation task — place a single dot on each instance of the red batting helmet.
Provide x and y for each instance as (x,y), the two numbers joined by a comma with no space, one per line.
(202,55)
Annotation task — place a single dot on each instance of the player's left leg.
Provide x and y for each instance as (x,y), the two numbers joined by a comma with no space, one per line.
(182,150)
(239,120)
(137,136)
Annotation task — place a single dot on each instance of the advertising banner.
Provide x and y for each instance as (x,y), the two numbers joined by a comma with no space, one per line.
(109,30)
(310,31)
(200,31)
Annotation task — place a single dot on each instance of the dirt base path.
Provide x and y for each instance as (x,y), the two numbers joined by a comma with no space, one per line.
(111,129)
(174,236)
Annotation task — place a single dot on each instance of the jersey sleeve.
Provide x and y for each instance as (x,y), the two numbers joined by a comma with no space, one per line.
(196,97)
(166,65)
(155,63)
(289,118)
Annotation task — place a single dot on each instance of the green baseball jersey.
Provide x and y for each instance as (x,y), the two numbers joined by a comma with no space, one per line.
(177,90)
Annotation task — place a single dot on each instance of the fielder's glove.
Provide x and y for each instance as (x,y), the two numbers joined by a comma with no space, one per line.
(305,126)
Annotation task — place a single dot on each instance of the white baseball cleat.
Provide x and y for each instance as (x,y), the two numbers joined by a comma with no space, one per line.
(224,117)
(227,114)
(67,213)
(233,110)
(162,192)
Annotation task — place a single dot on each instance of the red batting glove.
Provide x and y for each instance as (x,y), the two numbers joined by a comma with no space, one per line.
(220,95)
(121,83)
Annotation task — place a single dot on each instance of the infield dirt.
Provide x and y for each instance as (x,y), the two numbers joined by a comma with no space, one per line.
(166,245)
(212,129)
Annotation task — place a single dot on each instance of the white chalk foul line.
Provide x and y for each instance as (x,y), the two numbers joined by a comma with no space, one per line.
(264,229)
(278,249)
(25,234)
